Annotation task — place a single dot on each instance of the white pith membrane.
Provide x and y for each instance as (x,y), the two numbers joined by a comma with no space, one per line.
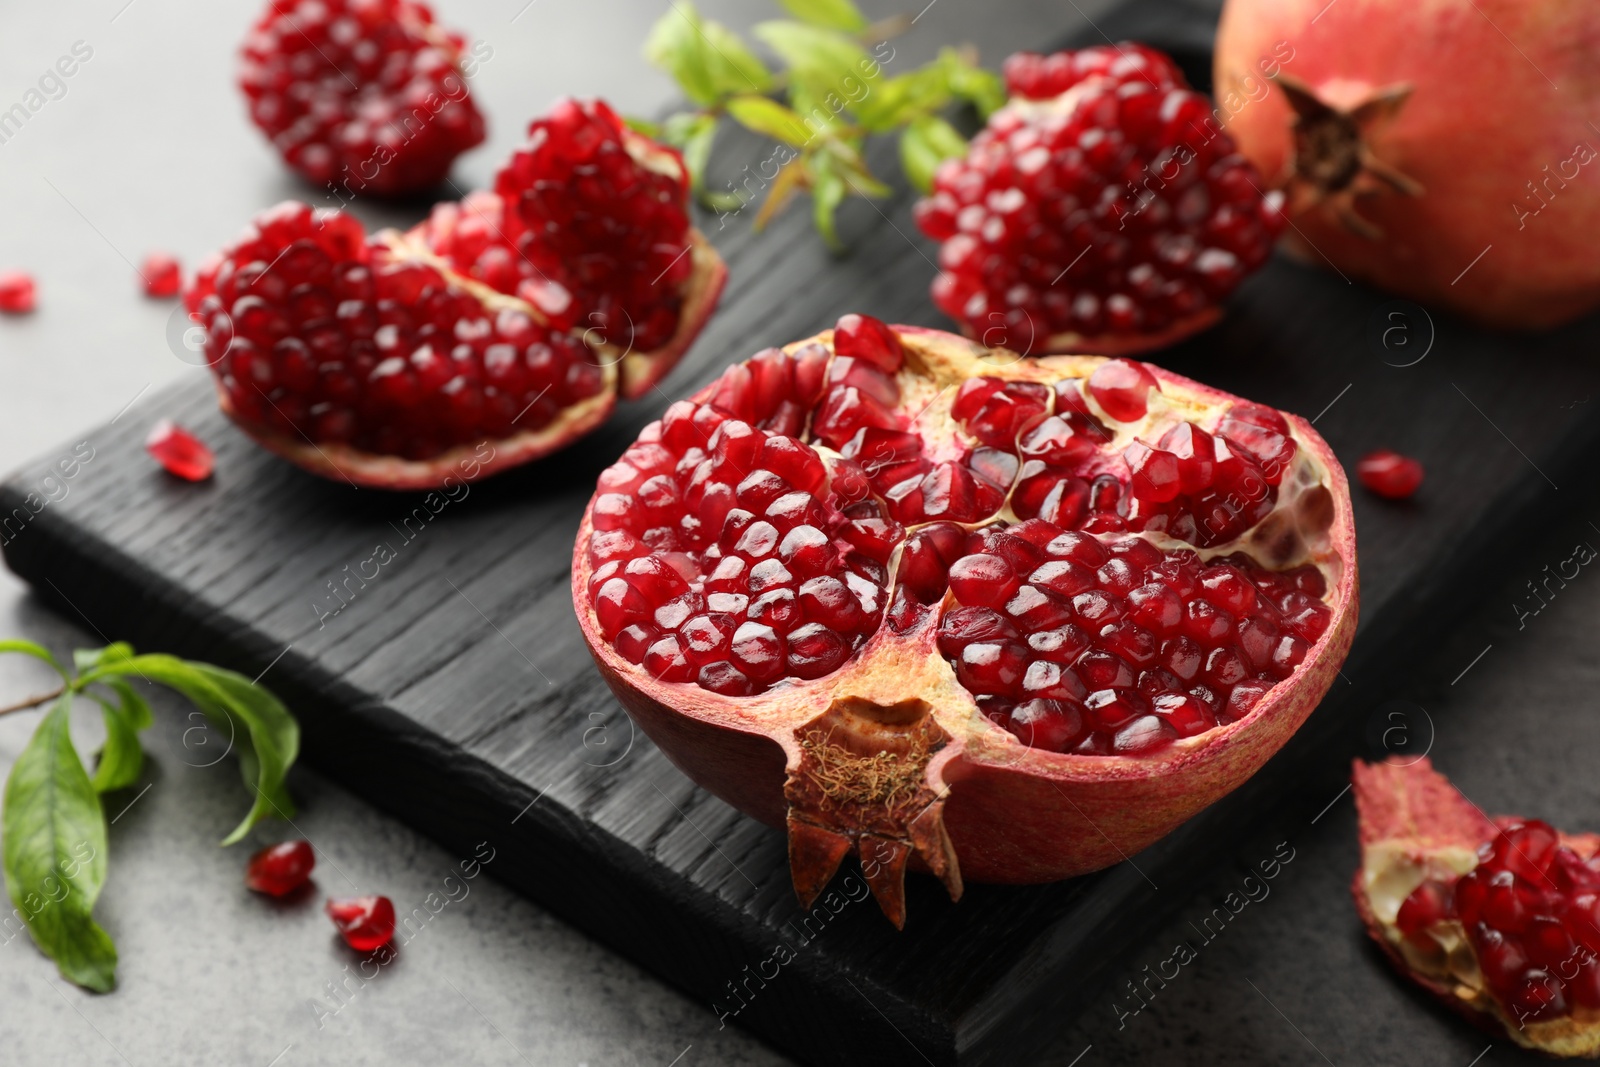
(869,744)
(1436,838)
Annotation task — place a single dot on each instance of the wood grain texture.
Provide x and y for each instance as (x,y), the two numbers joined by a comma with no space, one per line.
(454,689)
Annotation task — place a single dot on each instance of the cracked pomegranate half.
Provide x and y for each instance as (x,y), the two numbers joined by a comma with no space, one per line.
(1101,210)
(1006,620)
(400,360)
(1498,918)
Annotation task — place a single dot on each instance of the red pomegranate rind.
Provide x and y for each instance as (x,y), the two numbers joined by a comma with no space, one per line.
(364,94)
(589,223)
(1496,918)
(362,359)
(804,557)
(1103,210)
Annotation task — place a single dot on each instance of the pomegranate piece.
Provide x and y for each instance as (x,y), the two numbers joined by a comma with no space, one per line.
(1389,474)
(1496,917)
(280,869)
(874,583)
(361,358)
(360,96)
(1385,180)
(161,275)
(365,923)
(1102,210)
(179,451)
(17,292)
(589,224)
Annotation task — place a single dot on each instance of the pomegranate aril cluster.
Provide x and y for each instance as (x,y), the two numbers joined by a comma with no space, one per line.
(1114,212)
(315,333)
(1081,645)
(721,557)
(1531,910)
(366,94)
(584,232)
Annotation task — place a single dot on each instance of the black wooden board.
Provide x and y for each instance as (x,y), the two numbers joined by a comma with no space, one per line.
(454,689)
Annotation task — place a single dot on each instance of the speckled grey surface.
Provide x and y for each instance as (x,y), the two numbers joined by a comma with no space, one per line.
(148,148)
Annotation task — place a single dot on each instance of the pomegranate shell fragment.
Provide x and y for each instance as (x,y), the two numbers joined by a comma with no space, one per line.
(1498,918)
(866,597)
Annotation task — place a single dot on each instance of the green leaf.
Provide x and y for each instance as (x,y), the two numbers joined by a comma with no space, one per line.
(827,193)
(925,143)
(28,648)
(830,14)
(769,117)
(734,68)
(983,89)
(677,45)
(268,743)
(821,62)
(55,852)
(644,126)
(87,659)
(697,151)
(893,102)
(708,60)
(122,757)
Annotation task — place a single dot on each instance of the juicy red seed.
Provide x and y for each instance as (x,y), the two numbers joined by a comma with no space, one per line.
(1121,387)
(280,869)
(161,275)
(1052,725)
(17,292)
(179,451)
(983,580)
(864,337)
(365,923)
(1427,904)
(1389,474)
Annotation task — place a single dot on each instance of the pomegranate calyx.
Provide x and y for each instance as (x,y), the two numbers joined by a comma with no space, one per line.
(864,776)
(1332,162)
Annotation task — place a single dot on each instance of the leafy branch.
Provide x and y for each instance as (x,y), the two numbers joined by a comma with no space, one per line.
(53,823)
(832,93)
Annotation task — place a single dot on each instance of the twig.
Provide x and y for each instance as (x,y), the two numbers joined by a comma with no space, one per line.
(33,702)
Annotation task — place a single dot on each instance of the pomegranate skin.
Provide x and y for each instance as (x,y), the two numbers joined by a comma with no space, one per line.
(1482,121)
(1013,814)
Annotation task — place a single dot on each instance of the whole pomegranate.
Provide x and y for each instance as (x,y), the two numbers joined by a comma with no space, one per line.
(1498,918)
(1007,620)
(1441,151)
(402,360)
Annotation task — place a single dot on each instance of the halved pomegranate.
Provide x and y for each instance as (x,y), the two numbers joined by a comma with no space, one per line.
(400,360)
(1009,620)
(1498,918)
(1101,210)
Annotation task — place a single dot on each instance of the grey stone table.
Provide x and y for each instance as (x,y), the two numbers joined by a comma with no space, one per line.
(145,147)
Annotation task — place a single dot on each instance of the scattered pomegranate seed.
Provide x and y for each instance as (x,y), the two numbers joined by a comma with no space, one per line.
(17,294)
(162,275)
(179,451)
(280,869)
(365,923)
(1389,474)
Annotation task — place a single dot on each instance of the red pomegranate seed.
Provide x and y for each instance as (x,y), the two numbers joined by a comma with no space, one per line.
(1389,474)
(1122,388)
(179,451)
(864,337)
(17,293)
(280,869)
(161,275)
(365,923)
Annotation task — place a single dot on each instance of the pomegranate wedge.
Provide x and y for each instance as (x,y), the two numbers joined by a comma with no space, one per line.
(1008,620)
(1498,918)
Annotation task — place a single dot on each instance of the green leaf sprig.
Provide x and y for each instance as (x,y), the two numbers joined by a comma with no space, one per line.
(53,826)
(832,93)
